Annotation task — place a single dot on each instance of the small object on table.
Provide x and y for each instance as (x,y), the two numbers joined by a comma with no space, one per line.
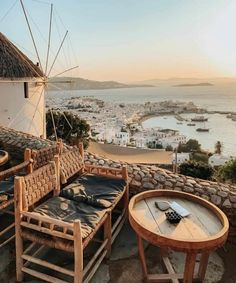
(173,217)
(179,209)
(162,205)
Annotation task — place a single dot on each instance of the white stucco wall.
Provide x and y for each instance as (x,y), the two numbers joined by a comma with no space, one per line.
(20,113)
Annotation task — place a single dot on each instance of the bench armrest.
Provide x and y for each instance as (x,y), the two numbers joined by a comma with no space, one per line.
(15,169)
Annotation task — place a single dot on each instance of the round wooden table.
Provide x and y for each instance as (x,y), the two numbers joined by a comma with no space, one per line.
(205,229)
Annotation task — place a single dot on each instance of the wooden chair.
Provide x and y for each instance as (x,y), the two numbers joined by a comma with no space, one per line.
(71,236)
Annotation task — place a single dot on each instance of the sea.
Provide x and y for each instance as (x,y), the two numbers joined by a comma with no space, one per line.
(219,97)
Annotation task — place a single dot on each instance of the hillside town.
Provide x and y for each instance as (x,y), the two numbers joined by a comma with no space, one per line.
(120,124)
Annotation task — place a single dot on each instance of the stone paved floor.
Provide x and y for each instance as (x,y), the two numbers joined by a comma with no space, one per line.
(124,265)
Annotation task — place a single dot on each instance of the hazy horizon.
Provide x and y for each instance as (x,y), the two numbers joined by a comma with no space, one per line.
(129,40)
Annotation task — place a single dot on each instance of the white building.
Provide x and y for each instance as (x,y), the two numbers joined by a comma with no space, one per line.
(21,91)
(173,140)
(122,138)
(218,159)
(181,157)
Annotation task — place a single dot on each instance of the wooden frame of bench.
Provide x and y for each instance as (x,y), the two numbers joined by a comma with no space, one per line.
(28,191)
(33,159)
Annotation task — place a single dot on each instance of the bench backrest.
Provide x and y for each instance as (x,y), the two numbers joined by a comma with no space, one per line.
(38,184)
(42,156)
(71,163)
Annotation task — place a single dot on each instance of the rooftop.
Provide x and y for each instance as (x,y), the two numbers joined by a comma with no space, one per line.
(14,64)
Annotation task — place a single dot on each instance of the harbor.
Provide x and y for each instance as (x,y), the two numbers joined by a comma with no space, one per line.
(141,125)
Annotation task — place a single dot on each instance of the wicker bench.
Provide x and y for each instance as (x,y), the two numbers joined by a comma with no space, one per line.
(33,159)
(100,183)
(46,216)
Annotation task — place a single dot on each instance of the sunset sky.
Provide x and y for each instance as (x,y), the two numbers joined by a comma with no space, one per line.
(130,40)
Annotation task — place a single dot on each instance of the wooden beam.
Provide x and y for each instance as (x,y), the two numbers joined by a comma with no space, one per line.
(78,253)
(48,265)
(19,241)
(42,276)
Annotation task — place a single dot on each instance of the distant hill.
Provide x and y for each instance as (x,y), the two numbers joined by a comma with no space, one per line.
(187,81)
(69,83)
(198,84)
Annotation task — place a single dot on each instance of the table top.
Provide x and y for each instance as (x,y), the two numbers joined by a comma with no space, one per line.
(205,227)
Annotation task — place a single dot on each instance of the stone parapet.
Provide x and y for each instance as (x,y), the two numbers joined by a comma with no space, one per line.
(15,142)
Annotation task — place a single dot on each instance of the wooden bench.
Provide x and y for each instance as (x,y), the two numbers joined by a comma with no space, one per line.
(46,218)
(73,171)
(33,159)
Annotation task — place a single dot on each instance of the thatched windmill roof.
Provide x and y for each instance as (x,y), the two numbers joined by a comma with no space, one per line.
(14,64)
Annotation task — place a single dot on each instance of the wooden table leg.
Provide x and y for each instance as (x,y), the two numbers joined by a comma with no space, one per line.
(142,258)
(189,267)
(203,265)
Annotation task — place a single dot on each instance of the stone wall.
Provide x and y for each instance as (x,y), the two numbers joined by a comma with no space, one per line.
(15,143)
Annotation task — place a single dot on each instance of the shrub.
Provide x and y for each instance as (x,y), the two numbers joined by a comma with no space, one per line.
(227,172)
(69,127)
(196,169)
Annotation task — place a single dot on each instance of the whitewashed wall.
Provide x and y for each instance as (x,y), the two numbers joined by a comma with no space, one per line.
(20,113)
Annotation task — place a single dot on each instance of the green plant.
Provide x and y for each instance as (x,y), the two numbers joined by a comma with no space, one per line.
(196,169)
(200,157)
(227,172)
(169,148)
(67,126)
(190,146)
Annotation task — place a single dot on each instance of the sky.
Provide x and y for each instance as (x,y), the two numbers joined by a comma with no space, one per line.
(128,40)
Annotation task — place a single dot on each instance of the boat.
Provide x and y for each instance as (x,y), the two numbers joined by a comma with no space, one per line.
(191,124)
(202,130)
(199,119)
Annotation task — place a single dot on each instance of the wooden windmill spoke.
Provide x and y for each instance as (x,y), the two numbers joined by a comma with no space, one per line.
(59,49)
(31,34)
(49,39)
(67,70)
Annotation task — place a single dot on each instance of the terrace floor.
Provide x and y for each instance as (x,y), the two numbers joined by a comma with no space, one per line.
(124,265)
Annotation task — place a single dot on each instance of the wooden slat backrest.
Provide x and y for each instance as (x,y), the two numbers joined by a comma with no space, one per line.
(38,184)
(42,156)
(71,163)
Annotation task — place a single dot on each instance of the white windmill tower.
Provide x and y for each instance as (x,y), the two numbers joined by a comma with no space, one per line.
(21,91)
(22,85)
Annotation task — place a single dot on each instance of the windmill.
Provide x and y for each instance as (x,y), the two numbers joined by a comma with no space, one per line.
(23,83)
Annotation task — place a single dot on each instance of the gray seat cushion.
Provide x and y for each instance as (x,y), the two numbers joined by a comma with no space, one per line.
(69,211)
(99,190)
